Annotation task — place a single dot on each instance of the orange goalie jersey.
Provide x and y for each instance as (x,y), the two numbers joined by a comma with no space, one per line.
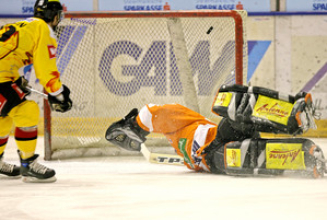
(31,41)
(187,131)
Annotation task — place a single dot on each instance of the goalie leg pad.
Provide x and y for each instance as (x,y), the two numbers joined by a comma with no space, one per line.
(267,110)
(271,157)
(126,133)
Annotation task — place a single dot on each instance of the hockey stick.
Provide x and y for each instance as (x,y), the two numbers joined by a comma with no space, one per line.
(161,158)
(37,92)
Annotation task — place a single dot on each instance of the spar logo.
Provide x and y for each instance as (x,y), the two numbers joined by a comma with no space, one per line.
(319,5)
(276,110)
(284,155)
(27,6)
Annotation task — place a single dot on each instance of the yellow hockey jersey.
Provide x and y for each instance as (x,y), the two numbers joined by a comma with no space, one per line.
(31,41)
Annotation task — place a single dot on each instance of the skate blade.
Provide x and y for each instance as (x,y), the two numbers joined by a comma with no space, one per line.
(30,179)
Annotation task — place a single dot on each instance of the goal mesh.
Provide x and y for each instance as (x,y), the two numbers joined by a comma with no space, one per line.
(115,61)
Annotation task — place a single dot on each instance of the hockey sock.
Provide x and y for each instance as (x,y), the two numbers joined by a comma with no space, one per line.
(26,141)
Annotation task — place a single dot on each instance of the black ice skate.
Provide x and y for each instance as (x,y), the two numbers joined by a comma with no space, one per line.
(33,172)
(7,169)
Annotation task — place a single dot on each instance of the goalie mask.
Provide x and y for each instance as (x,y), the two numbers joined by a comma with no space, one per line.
(48,9)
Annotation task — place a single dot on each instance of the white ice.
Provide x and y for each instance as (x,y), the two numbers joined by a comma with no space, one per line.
(131,188)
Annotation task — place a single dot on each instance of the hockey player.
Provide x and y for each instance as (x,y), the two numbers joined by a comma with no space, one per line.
(234,146)
(31,41)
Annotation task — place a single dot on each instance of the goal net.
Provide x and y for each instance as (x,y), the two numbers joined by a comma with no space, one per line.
(115,61)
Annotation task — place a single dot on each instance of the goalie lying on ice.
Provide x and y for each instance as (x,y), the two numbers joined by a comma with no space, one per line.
(234,146)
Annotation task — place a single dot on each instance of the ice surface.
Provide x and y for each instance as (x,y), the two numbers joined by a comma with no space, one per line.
(131,188)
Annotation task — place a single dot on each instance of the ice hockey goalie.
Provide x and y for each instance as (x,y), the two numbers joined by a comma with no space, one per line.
(234,147)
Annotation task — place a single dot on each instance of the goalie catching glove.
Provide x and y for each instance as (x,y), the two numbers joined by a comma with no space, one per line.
(61,102)
(126,133)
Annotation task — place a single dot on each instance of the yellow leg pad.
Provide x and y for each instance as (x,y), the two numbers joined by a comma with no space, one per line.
(285,156)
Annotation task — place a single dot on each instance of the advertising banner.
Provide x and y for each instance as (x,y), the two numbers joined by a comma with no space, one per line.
(158,5)
(26,7)
(306,5)
(16,7)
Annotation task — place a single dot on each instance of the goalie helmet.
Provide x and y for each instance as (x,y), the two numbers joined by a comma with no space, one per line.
(48,9)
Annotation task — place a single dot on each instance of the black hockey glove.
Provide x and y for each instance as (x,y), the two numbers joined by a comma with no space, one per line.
(61,102)
(22,83)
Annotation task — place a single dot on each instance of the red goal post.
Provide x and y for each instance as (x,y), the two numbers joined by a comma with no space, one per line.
(116,61)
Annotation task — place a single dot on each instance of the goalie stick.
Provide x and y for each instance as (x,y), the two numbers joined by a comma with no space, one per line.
(160,158)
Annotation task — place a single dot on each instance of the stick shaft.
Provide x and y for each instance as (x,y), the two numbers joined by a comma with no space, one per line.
(38,92)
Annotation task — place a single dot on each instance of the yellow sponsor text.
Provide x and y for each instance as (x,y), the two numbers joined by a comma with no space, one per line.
(285,156)
(272,109)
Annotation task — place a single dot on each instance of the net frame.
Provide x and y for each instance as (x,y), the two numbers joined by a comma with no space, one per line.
(240,41)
